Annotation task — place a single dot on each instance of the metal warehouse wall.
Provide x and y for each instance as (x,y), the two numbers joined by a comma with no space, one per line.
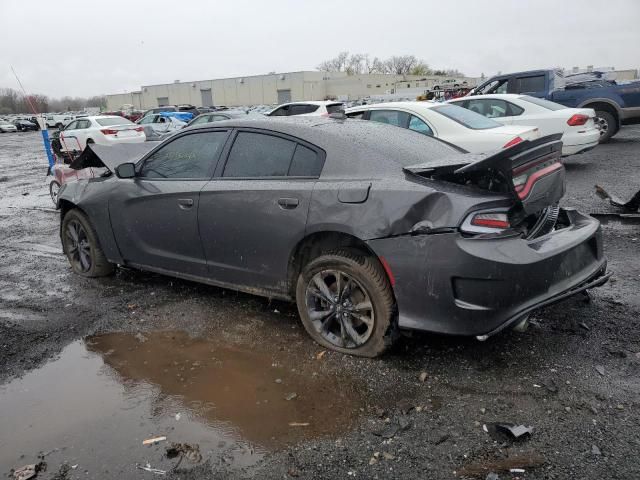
(263,89)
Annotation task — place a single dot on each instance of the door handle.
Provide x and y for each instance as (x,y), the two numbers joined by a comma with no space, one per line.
(288,203)
(185,203)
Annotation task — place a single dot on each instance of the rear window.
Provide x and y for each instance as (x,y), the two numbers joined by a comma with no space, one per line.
(335,108)
(109,121)
(541,102)
(466,117)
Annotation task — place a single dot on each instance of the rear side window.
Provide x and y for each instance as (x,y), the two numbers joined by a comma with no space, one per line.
(529,84)
(280,112)
(202,119)
(334,108)
(190,157)
(259,155)
(466,117)
(305,163)
(417,125)
(392,117)
(302,109)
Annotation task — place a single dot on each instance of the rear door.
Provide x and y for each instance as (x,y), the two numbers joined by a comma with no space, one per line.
(69,137)
(155,215)
(254,211)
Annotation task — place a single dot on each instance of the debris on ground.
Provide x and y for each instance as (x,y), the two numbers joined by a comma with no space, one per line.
(516,431)
(29,471)
(188,451)
(600,369)
(291,396)
(320,355)
(584,325)
(178,416)
(140,337)
(148,468)
(299,424)
(154,440)
(482,467)
(595,450)
(423,377)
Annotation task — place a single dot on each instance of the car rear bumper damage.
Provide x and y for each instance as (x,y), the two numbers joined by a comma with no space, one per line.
(452,284)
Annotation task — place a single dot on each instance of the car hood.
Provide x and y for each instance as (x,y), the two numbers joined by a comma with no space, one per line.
(111,156)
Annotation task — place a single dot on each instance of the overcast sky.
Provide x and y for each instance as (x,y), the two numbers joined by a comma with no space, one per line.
(89,47)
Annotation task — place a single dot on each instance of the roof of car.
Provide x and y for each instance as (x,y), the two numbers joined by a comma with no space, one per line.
(313,102)
(355,148)
(490,95)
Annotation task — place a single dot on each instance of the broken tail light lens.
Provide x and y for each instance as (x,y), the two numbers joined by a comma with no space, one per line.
(577,120)
(512,142)
(486,222)
(109,131)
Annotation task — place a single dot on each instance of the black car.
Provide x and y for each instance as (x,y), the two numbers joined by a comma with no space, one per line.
(26,125)
(368,227)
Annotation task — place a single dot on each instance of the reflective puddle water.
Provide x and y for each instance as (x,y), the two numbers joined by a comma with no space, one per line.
(96,403)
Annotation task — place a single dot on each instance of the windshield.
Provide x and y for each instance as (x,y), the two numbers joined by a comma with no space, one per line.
(541,102)
(109,121)
(467,118)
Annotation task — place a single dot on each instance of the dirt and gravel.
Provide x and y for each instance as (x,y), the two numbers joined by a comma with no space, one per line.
(83,398)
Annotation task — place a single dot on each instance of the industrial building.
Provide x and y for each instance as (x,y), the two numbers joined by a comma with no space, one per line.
(273,88)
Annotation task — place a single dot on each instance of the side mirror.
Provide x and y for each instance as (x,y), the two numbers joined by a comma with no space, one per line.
(126,170)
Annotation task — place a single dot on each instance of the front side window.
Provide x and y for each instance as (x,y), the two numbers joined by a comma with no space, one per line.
(259,155)
(218,118)
(356,115)
(335,108)
(280,112)
(417,125)
(392,117)
(146,120)
(202,119)
(190,156)
(466,117)
(71,126)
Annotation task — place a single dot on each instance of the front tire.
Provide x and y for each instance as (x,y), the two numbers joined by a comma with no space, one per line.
(346,303)
(80,245)
(54,188)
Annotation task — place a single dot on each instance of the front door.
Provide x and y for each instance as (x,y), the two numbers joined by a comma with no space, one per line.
(155,214)
(254,212)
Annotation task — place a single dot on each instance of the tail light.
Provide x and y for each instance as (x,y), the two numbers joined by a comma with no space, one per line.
(525,178)
(109,131)
(512,142)
(577,120)
(486,222)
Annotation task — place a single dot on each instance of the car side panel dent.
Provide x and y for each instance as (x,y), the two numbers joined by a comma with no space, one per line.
(94,202)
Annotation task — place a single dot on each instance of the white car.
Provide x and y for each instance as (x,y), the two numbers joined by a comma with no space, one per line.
(5,126)
(449,83)
(463,128)
(103,130)
(577,125)
(307,109)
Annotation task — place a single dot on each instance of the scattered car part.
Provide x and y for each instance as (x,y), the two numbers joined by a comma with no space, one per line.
(516,431)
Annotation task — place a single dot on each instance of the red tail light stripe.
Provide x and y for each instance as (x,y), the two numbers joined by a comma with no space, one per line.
(526,188)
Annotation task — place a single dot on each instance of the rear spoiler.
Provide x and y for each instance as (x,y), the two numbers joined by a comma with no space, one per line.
(503,161)
(103,156)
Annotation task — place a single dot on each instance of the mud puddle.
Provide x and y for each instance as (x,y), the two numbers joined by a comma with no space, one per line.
(95,404)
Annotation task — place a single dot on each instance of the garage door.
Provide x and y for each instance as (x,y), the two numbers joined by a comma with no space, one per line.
(206,97)
(284,96)
(162,101)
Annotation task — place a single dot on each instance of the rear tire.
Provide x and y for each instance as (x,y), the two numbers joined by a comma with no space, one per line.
(81,246)
(608,125)
(346,303)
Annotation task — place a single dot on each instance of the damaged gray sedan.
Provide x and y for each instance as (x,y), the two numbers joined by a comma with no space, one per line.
(369,228)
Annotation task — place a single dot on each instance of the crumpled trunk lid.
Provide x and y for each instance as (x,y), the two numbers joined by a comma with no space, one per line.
(531,172)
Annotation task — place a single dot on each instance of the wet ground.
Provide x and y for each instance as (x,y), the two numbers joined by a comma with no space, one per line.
(89,369)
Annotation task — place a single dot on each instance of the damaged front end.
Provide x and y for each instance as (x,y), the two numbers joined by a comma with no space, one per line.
(499,263)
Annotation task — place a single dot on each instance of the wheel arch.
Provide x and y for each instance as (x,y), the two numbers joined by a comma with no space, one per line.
(605,105)
(315,244)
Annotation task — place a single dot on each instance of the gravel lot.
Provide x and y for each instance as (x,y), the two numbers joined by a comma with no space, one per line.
(574,376)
